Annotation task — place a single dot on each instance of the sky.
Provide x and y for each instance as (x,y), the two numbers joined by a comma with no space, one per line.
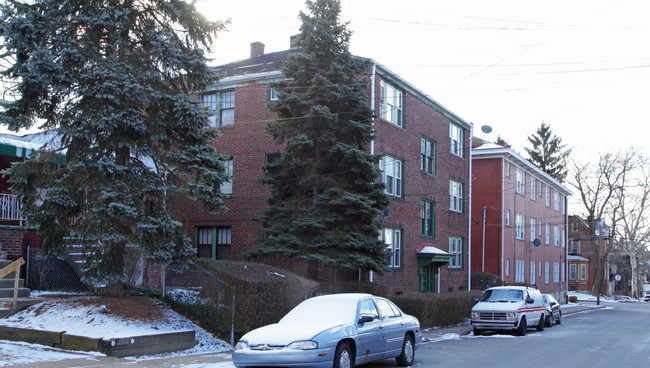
(581,66)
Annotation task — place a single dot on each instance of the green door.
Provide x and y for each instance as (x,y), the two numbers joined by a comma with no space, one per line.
(428,278)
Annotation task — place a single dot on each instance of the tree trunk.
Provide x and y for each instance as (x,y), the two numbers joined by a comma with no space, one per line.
(634,269)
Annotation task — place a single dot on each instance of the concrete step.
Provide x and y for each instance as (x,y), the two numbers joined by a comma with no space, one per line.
(6,305)
(9,292)
(9,283)
(4,263)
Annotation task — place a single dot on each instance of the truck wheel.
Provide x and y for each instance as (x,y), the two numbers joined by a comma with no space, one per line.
(522,328)
(542,321)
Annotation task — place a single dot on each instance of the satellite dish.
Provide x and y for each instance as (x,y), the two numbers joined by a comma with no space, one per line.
(536,242)
(486,129)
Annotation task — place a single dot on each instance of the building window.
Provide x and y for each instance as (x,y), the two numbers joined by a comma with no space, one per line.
(273,157)
(548,196)
(521,182)
(455,196)
(540,228)
(547,275)
(556,235)
(213,242)
(273,94)
(393,240)
(572,272)
(391,175)
(556,201)
(457,140)
(520,221)
(427,155)
(227,110)
(533,189)
(508,218)
(539,267)
(391,101)
(533,229)
(226,186)
(556,272)
(547,237)
(520,271)
(583,271)
(507,267)
(456,248)
(532,273)
(574,246)
(574,226)
(507,168)
(427,209)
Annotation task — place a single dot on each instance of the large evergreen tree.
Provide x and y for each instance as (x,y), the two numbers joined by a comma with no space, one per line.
(112,80)
(325,197)
(548,153)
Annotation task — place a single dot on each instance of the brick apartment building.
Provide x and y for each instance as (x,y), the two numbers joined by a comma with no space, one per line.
(519,220)
(425,166)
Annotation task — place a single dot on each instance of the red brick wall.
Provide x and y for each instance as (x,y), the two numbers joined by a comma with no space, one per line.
(247,142)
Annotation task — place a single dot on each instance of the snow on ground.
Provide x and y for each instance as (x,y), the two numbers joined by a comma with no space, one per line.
(584,296)
(96,322)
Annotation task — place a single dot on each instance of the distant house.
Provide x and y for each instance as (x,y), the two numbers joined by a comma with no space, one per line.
(519,220)
(425,166)
(581,268)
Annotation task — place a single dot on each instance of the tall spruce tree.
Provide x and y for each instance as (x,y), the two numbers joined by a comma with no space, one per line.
(548,152)
(112,79)
(325,197)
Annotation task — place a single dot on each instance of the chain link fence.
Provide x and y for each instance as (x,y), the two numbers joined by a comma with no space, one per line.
(51,273)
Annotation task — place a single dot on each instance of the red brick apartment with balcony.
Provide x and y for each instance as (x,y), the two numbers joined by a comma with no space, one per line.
(519,220)
(425,166)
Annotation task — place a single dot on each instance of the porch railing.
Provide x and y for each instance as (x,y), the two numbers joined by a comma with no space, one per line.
(10,208)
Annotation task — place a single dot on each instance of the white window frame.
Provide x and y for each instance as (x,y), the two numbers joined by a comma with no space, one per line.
(556,201)
(507,169)
(456,248)
(520,271)
(533,228)
(573,271)
(548,196)
(532,273)
(227,108)
(547,270)
(507,267)
(547,238)
(391,104)
(226,186)
(583,271)
(533,189)
(521,181)
(507,218)
(556,272)
(393,240)
(520,224)
(539,266)
(456,196)
(391,175)
(556,235)
(457,140)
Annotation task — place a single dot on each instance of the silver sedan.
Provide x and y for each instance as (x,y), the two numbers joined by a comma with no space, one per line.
(338,330)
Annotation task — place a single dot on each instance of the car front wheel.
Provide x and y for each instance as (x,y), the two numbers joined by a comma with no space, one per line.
(343,356)
(408,352)
(549,321)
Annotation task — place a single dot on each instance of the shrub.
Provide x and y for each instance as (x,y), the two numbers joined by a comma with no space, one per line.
(485,280)
(438,309)
(262,295)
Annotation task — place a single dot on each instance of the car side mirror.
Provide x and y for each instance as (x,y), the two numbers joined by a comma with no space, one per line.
(530,301)
(553,303)
(366,318)
(475,300)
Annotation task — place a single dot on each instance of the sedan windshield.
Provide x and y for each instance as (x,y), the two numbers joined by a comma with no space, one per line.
(324,310)
(502,295)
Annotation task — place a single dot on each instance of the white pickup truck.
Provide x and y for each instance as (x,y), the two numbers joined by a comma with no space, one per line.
(514,308)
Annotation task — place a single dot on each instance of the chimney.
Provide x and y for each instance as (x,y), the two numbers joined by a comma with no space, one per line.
(293,42)
(257,49)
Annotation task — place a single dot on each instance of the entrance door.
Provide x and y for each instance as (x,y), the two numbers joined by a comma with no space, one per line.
(428,278)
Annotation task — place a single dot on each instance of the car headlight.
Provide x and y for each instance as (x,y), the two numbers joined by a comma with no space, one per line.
(241,345)
(512,315)
(474,315)
(303,345)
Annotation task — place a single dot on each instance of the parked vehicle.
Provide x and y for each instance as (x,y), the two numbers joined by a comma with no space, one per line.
(553,310)
(338,330)
(509,308)
(646,292)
